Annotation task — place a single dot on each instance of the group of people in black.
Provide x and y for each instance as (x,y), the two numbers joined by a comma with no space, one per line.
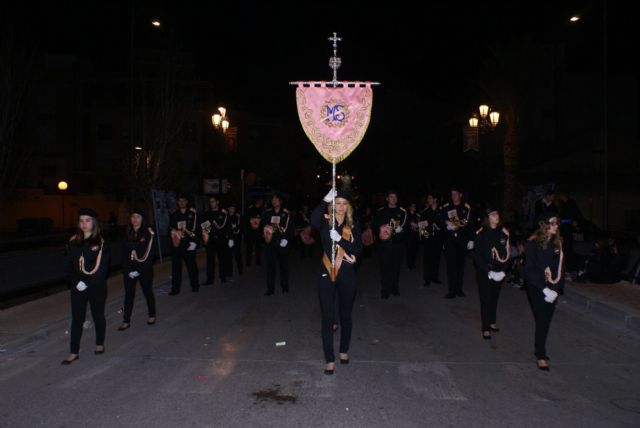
(452,228)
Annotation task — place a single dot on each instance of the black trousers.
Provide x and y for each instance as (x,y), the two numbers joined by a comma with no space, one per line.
(455,252)
(277,257)
(413,244)
(146,284)
(489,291)
(542,313)
(96,296)
(390,263)
(217,249)
(235,253)
(178,255)
(431,253)
(345,290)
(253,245)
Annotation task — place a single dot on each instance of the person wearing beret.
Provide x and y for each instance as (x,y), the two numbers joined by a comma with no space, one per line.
(278,230)
(87,268)
(391,226)
(184,237)
(137,265)
(215,236)
(337,279)
(458,239)
(490,255)
(235,240)
(430,231)
(544,277)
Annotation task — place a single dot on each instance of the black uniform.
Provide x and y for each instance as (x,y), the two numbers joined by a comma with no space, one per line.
(218,244)
(93,272)
(456,239)
(344,286)
(138,251)
(431,244)
(253,237)
(485,261)
(391,250)
(235,235)
(413,240)
(186,251)
(537,259)
(277,250)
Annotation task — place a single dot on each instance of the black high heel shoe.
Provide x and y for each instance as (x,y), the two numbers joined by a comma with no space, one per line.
(495,329)
(486,335)
(544,368)
(66,362)
(99,351)
(329,371)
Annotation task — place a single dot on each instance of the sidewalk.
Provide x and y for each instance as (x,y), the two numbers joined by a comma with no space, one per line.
(618,303)
(30,321)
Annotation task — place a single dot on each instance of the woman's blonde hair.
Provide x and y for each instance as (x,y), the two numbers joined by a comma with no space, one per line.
(348,216)
(541,236)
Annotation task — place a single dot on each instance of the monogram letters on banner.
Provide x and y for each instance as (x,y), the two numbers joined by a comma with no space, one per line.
(335,118)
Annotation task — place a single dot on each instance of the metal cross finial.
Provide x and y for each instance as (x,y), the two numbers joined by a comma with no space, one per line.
(335,62)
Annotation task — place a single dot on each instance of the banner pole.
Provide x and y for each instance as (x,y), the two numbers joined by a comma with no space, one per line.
(333,213)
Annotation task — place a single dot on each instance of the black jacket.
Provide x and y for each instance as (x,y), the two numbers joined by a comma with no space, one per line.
(89,250)
(144,244)
(384,216)
(485,241)
(320,223)
(537,259)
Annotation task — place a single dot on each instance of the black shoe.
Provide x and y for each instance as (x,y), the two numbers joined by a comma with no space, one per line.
(450,296)
(345,361)
(427,284)
(544,368)
(99,352)
(436,281)
(495,329)
(151,321)
(124,326)
(329,371)
(486,335)
(173,293)
(67,362)
(384,296)
(461,294)
(195,290)
(268,293)
(207,283)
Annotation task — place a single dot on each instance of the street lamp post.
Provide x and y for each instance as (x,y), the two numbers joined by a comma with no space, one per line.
(62,186)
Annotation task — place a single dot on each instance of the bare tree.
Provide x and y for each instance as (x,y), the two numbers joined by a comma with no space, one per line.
(15,66)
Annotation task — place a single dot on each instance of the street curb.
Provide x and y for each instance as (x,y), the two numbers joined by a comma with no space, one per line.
(605,312)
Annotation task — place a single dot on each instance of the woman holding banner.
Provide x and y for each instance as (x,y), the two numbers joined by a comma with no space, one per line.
(339,277)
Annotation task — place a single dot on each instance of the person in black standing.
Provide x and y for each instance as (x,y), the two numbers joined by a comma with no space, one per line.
(215,236)
(430,232)
(87,268)
(235,239)
(491,253)
(456,215)
(338,279)
(545,205)
(277,228)
(413,239)
(137,265)
(182,224)
(253,237)
(543,267)
(389,224)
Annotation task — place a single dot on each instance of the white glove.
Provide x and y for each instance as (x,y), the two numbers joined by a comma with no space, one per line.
(283,243)
(550,295)
(231,243)
(399,229)
(134,274)
(192,246)
(496,276)
(470,245)
(81,286)
(329,196)
(335,236)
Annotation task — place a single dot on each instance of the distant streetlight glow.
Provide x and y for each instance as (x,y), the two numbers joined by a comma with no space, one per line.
(62,185)
(473,122)
(216,119)
(484,110)
(225,125)
(495,118)
(137,148)
(574,19)
(156,23)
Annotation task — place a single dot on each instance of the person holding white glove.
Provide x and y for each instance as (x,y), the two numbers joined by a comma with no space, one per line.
(87,265)
(138,253)
(544,278)
(341,245)
(491,253)
(185,223)
(456,216)
(276,249)
(236,232)
(216,233)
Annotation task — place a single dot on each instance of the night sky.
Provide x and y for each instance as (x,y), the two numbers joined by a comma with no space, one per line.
(427,58)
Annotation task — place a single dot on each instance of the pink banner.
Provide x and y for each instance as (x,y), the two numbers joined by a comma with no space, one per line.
(335,119)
